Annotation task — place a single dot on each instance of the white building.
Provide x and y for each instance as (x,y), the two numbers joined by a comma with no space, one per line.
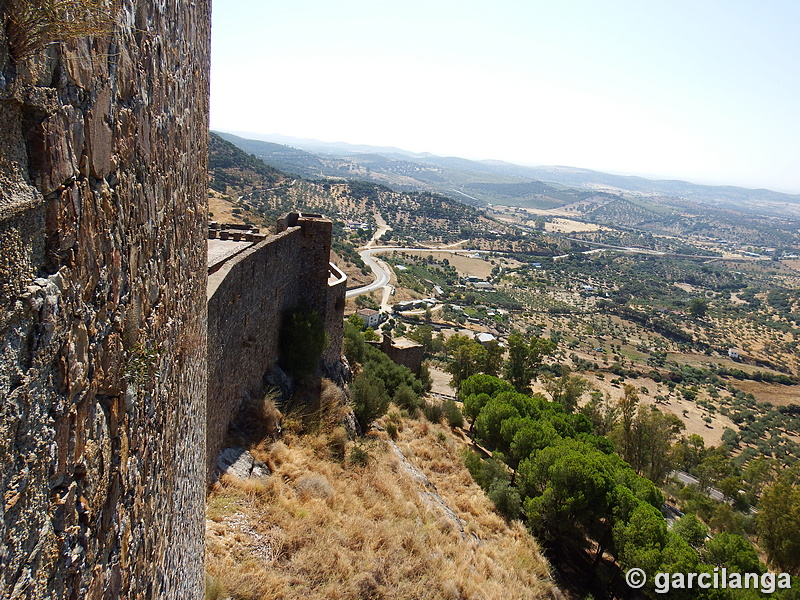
(372,318)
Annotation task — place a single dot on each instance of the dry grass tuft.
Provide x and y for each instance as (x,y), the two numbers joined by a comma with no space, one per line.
(313,486)
(31,25)
(322,528)
(214,589)
(258,420)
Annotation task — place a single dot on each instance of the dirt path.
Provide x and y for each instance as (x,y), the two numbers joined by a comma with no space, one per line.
(382,228)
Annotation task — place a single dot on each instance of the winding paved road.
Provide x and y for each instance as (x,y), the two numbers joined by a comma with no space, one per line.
(382,271)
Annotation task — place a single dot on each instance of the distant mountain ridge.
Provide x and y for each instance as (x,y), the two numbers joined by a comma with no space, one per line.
(494,181)
(259,193)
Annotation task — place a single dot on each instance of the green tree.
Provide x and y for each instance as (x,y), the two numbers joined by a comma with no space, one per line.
(425,379)
(524,358)
(473,404)
(689,452)
(778,525)
(654,433)
(566,390)
(488,425)
(356,320)
(601,412)
(733,552)
(538,349)
(698,308)
(567,488)
(353,341)
(468,358)
(517,368)
(370,399)
(482,383)
(715,467)
(679,557)
(640,539)
(691,529)
(424,335)
(494,358)
(627,410)
(528,436)
(760,471)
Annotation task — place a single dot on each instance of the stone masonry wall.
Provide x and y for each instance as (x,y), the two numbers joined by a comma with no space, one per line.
(247,299)
(334,319)
(408,355)
(103,149)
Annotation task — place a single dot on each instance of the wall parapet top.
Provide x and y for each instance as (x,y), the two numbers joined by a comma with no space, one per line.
(336,275)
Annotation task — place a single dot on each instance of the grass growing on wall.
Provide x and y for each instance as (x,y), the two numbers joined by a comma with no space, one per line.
(31,25)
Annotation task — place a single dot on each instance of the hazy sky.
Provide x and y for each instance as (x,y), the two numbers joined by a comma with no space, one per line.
(702,90)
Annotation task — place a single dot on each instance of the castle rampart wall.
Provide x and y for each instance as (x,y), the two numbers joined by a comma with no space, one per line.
(246,300)
(248,297)
(103,186)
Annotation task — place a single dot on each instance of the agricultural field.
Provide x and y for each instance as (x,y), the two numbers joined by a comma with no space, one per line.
(667,326)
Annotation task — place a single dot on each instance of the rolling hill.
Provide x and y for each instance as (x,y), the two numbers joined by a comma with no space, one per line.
(458,177)
(257,193)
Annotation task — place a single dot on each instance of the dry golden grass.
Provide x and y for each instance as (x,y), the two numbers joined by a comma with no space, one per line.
(31,25)
(322,528)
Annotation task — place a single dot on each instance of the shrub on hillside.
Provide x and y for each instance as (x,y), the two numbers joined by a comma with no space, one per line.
(392,374)
(506,500)
(486,473)
(453,414)
(406,397)
(353,342)
(433,412)
(370,399)
(359,457)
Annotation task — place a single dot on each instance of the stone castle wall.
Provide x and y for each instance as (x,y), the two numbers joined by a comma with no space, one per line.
(103,150)
(247,299)
(334,319)
(403,352)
